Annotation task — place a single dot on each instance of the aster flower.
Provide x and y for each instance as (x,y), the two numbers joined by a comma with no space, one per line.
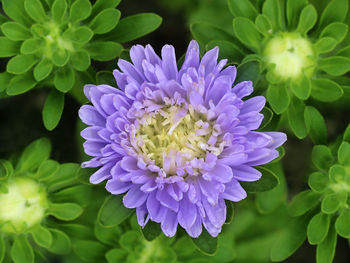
(177,142)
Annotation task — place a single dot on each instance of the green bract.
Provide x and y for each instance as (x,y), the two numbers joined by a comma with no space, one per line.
(324,210)
(38,197)
(294,51)
(52,43)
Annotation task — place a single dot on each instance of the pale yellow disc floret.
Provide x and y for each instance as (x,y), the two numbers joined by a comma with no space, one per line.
(23,206)
(292,54)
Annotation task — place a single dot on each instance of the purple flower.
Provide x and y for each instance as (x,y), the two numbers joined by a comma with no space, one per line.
(177,142)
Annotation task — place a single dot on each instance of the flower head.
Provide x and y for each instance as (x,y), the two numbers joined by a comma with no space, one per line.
(177,142)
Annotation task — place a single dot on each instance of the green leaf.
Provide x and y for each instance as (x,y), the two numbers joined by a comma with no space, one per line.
(290,239)
(105,77)
(58,10)
(307,19)
(77,194)
(113,211)
(325,90)
(53,109)
(90,251)
(317,229)
(2,248)
(135,26)
(21,250)
(335,66)
(15,10)
(346,136)
(278,98)
(65,176)
(47,169)
(80,60)
(335,11)
(337,174)
(344,154)
(5,79)
(35,10)
(130,240)
(81,35)
(315,125)
(8,47)
(15,31)
(205,33)
(272,10)
(336,31)
(33,155)
(246,31)
(344,52)
(61,243)
(60,57)
(242,9)
(325,45)
(263,25)
(6,169)
(301,88)
(21,64)
(31,46)
(65,211)
(342,225)
(268,115)
(205,243)
(325,251)
(267,182)
(322,157)
(227,50)
(116,255)
(294,8)
(64,79)
(42,236)
(296,120)
(303,202)
(101,5)
(229,212)
(107,235)
(248,71)
(151,230)
(21,84)
(104,50)
(318,182)
(331,203)
(42,69)
(80,10)
(105,21)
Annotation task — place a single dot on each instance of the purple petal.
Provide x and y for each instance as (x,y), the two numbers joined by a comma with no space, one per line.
(253,104)
(215,213)
(101,174)
(169,62)
(156,211)
(116,187)
(243,89)
(134,198)
(166,200)
(141,213)
(169,225)
(130,70)
(196,229)
(222,173)
(246,173)
(129,164)
(187,213)
(192,56)
(261,156)
(234,191)
(90,116)
(137,55)
(278,138)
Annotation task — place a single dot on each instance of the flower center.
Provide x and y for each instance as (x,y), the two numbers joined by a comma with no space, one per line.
(292,55)
(23,206)
(173,136)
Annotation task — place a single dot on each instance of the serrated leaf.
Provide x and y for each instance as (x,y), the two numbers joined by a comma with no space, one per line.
(90,251)
(64,79)
(294,8)
(334,66)
(325,90)
(336,31)
(307,19)
(105,21)
(303,202)
(318,182)
(21,64)
(151,230)
(267,182)
(53,109)
(21,250)
(104,50)
(335,11)
(15,10)
(21,84)
(42,69)
(65,211)
(15,31)
(42,236)
(322,157)
(246,31)
(272,10)
(135,26)
(33,155)
(317,228)
(58,10)
(113,211)
(344,153)
(206,243)
(325,251)
(278,98)
(315,124)
(227,50)
(342,225)
(80,60)
(80,10)
(295,114)
(242,9)
(61,243)
(35,10)
(325,45)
